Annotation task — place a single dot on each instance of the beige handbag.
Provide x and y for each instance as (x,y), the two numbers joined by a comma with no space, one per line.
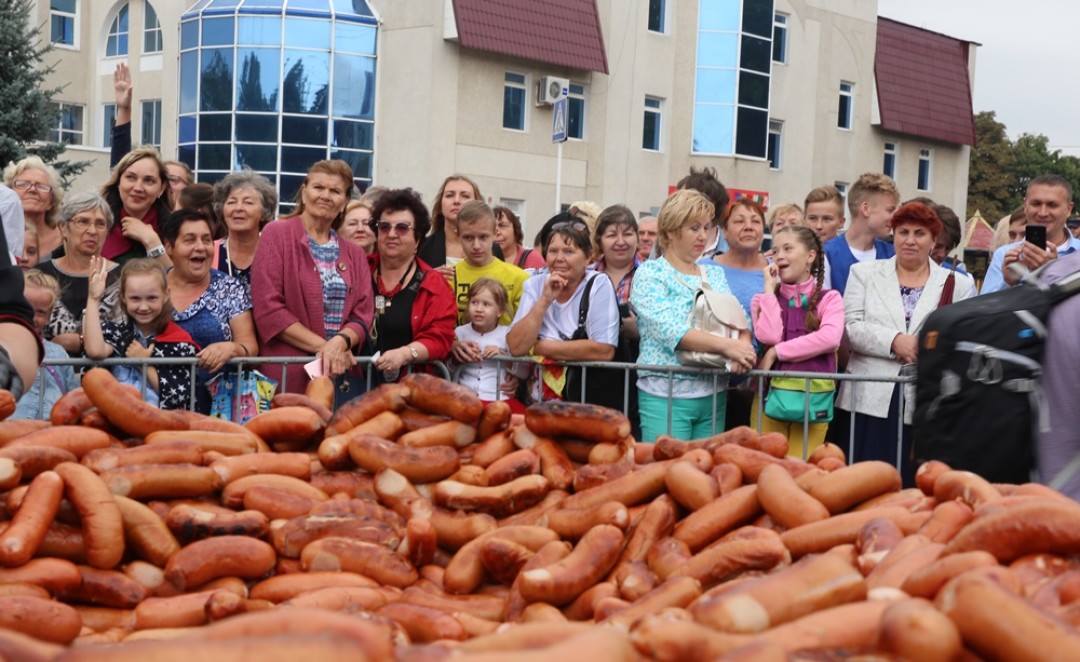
(715,313)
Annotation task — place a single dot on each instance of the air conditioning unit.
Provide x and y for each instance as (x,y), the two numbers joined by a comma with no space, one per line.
(550,89)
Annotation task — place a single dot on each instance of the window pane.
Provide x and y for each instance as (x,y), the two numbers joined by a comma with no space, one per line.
(354,86)
(773,153)
(257,157)
(924,175)
(151,123)
(514,108)
(779,44)
(843,120)
(258,30)
(299,159)
(304,130)
(290,184)
(889,167)
(575,118)
(257,128)
(189,34)
(257,84)
(214,157)
(217,32)
(215,127)
(717,49)
(756,54)
(753,90)
(758,17)
(715,86)
(187,129)
(354,38)
(752,135)
(63,30)
(307,33)
(719,15)
(217,79)
(650,136)
(656,15)
(306,85)
(108,120)
(150,20)
(514,78)
(189,81)
(712,128)
(352,7)
(186,154)
(357,135)
(63,5)
(360,162)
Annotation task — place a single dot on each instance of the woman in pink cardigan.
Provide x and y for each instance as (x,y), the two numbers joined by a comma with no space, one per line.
(311,291)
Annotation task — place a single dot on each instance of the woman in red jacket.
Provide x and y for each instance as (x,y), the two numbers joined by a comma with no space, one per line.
(415,310)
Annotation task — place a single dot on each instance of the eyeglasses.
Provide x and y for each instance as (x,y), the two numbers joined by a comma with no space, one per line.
(27,185)
(82,225)
(177,179)
(573,226)
(384,227)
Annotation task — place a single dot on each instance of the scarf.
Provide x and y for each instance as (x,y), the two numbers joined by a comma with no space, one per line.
(116,243)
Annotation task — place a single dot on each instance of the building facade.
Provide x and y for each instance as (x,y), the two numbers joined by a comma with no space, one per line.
(779,96)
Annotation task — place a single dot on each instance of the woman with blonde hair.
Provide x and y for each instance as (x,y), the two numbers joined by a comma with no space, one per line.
(138,195)
(38,187)
(442,249)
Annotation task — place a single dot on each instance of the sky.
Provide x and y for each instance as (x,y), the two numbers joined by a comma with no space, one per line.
(1026,67)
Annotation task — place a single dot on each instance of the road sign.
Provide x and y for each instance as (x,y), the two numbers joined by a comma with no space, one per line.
(558,121)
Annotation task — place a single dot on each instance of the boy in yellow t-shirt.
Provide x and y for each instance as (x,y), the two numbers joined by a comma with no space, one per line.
(476,230)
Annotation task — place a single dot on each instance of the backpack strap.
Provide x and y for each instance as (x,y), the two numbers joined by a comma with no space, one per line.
(524,255)
(580,332)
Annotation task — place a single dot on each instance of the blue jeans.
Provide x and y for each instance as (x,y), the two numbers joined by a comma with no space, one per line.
(691,418)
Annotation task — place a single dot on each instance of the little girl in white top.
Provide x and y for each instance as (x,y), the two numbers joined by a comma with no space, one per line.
(484,338)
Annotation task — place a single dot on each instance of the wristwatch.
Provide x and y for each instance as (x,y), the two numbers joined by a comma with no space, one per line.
(156,251)
(413,353)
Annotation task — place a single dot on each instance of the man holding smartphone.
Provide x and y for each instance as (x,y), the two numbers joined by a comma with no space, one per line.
(1047,205)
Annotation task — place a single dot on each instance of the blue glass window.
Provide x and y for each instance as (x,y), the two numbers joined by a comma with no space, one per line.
(62,22)
(299,159)
(257,128)
(756,54)
(108,120)
(307,33)
(652,125)
(217,31)
(257,157)
(575,112)
(258,31)
(289,186)
(306,85)
(889,165)
(752,136)
(189,82)
(718,49)
(152,42)
(357,135)
(715,86)
(358,7)
(216,127)
(216,81)
(753,90)
(713,127)
(186,154)
(189,35)
(214,157)
(354,38)
(117,42)
(151,123)
(360,162)
(257,79)
(354,86)
(657,15)
(719,15)
(514,102)
(187,129)
(758,17)
(303,130)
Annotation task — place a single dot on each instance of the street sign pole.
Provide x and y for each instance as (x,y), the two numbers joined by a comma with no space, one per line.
(558,136)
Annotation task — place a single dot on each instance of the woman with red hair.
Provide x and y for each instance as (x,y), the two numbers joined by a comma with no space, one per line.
(885,304)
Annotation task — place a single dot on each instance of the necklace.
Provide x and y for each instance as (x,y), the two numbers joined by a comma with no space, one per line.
(384,297)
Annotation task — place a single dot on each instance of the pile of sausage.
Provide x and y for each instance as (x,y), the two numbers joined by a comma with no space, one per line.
(417,523)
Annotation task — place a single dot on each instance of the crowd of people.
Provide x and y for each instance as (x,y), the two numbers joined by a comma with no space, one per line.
(155,265)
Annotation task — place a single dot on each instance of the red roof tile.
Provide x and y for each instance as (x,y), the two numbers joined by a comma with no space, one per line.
(562,32)
(922,83)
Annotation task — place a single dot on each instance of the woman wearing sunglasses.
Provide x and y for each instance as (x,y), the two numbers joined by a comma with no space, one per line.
(415,310)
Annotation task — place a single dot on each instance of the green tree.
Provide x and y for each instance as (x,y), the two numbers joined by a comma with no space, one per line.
(1033,158)
(26,114)
(991,182)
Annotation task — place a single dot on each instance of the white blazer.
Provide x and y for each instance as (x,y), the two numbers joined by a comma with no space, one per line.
(873,316)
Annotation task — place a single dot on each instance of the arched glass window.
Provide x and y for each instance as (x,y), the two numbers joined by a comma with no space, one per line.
(276,85)
(117,43)
(151,30)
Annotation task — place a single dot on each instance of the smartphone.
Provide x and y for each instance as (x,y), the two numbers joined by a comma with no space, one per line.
(1035,234)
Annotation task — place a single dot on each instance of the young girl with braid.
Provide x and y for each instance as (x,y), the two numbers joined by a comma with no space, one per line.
(802,324)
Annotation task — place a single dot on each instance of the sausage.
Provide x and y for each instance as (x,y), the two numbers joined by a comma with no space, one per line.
(300,400)
(10,473)
(47,620)
(691,487)
(495,417)
(107,588)
(499,500)
(657,522)
(419,542)
(728,477)
(666,556)
(875,540)
(287,587)
(589,476)
(103,528)
(548,554)
(287,425)
(579,420)
(717,518)
(150,577)
(492,448)
(370,560)
(1036,525)
(443,398)
(964,486)
(224,556)
(157,481)
(21,588)
(124,410)
(642,485)
(69,407)
(678,592)
(785,502)
(355,484)
(53,575)
(33,460)
(634,580)
(334,450)
(512,465)
(487,607)
(101,619)
(290,537)
(925,582)
(297,465)
(11,430)
(470,474)
(235,492)
(561,582)
(145,532)
(423,465)
(913,553)
(845,488)
(914,630)
(827,450)
(998,624)
(715,563)
(751,461)
(178,611)
(75,439)
(190,523)
(63,541)
(383,398)
(448,433)
(465,570)
(340,598)
(424,624)
(927,474)
(818,537)
(946,520)
(232,442)
(573,524)
(503,559)
(172,452)
(20,541)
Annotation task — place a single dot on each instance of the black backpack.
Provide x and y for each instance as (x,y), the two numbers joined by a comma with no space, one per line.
(978,390)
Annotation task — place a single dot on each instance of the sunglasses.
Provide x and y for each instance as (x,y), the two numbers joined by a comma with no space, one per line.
(573,226)
(384,227)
